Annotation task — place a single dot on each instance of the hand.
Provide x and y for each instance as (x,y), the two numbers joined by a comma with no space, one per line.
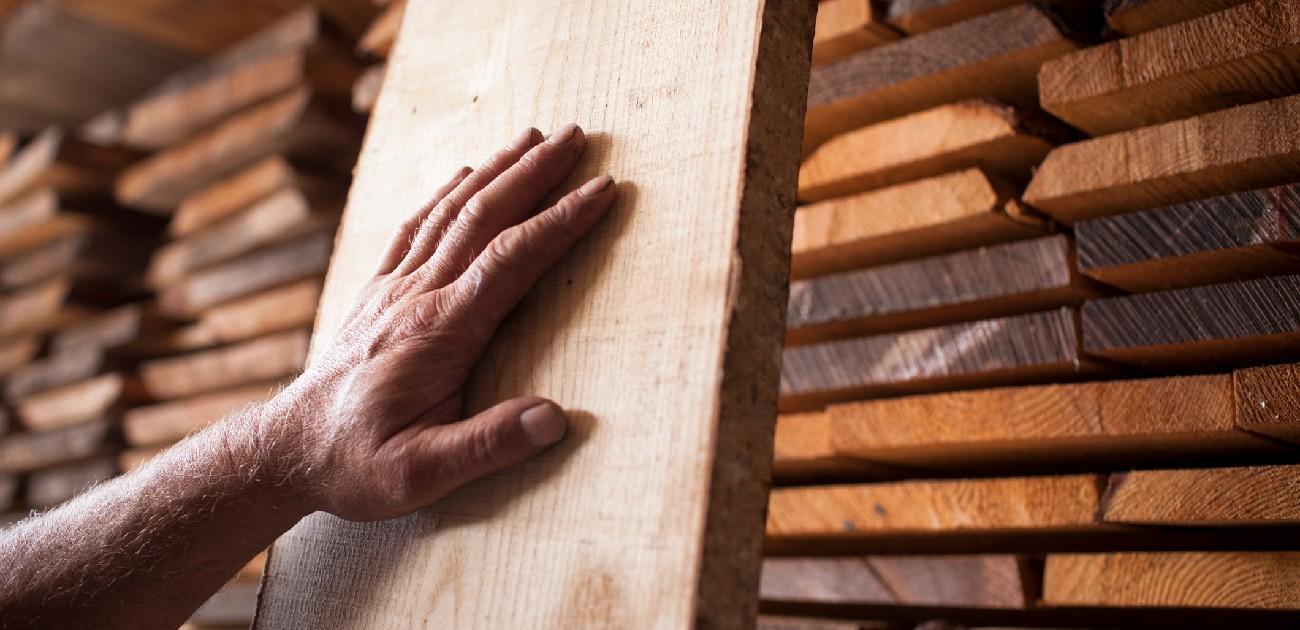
(378,430)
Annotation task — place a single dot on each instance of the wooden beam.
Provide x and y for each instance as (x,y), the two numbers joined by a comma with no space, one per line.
(199,27)
(986,581)
(1252,495)
(687,551)
(802,453)
(1234,237)
(935,215)
(164,423)
(1009,350)
(33,309)
(279,263)
(65,165)
(1229,151)
(995,55)
(227,196)
(281,308)
(75,403)
(845,27)
(1003,140)
(997,281)
(920,16)
(1254,55)
(1216,326)
(264,358)
(1132,17)
(1269,580)
(24,452)
(49,487)
(108,330)
(62,367)
(1268,400)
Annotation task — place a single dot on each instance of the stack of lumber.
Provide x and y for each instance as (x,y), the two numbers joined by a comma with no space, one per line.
(375,45)
(1040,367)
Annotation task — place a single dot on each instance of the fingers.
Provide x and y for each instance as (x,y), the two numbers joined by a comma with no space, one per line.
(401,242)
(451,455)
(430,233)
(516,258)
(507,200)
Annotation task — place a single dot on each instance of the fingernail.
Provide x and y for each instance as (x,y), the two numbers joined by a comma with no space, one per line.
(524,138)
(595,185)
(544,424)
(563,134)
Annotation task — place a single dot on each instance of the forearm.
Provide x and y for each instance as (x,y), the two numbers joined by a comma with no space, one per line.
(168,534)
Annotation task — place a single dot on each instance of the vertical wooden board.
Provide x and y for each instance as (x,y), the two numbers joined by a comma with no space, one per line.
(1268,400)
(1195,579)
(650,514)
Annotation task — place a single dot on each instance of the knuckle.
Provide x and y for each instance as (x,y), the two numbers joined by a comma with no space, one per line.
(476,209)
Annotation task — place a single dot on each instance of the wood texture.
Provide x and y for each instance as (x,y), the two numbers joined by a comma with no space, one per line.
(1132,17)
(277,264)
(995,55)
(36,206)
(1216,326)
(1253,495)
(997,281)
(1243,55)
(1234,150)
(1268,400)
(802,452)
(1000,139)
(686,550)
(1004,351)
(963,505)
(53,160)
(59,368)
(164,423)
(107,330)
(1269,580)
(270,311)
(24,452)
(378,39)
(236,192)
(935,215)
(51,486)
(919,16)
(264,358)
(72,404)
(33,308)
(846,26)
(16,352)
(988,581)
(1233,237)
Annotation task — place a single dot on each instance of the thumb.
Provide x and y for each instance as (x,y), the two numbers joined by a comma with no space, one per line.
(496,438)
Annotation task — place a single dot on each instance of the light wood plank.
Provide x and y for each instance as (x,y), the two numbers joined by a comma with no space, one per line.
(24,452)
(1234,150)
(1203,580)
(168,422)
(1251,495)
(845,27)
(264,358)
(49,487)
(73,404)
(236,192)
(920,16)
(686,551)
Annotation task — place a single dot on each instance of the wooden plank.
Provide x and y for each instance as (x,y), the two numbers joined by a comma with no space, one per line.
(1269,580)
(1268,400)
(168,422)
(984,581)
(16,352)
(278,309)
(73,404)
(200,27)
(27,209)
(366,90)
(1133,17)
(823,579)
(920,16)
(802,453)
(1048,428)
(378,39)
(1003,140)
(32,309)
(8,142)
(24,452)
(294,123)
(1233,237)
(49,487)
(108,330)
(935,215)
(845,27)
(236,192)
(1243,55)
(1250,495)
(59,368)
(260,359)
(958,506)
(1234,150)
(686,551)
(997,281)
(1221,325)
(995,55)
(278,264)
(1005,351)
(275,217)
(66,165)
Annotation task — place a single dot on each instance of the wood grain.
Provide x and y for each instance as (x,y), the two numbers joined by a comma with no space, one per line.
(1234,150)
(107,330)
(226,196)
(935,215)
(1269,580)
(1132,17)
(991,581)
(997,281)
(74,403)
(1268,400)
(649,516)
(1252,495)
(1003,140)
(920,16)
(277,264)
(164,423)
(846,26)
(1010,350)
(264,358)
(1233,237)
(1215,326)
(1242,55)
(995,55)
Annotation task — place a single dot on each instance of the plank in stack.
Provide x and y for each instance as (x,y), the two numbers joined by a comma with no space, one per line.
(1042,333)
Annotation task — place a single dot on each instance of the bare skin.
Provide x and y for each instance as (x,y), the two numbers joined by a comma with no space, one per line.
(372,430)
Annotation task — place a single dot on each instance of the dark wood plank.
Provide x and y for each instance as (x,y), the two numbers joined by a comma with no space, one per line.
(1211,327)
(919,16)
(991,581)
(1132,17)
(845,27)
(1234,237)
(1005,351)
(1268,400)
(983,283)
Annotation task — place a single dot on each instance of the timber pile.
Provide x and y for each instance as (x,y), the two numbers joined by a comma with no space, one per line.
(374,46)
(1041,340)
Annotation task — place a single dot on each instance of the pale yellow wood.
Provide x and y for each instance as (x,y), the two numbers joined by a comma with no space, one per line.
(660,332)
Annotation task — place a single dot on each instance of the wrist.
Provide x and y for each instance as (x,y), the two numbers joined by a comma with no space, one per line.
(261,450)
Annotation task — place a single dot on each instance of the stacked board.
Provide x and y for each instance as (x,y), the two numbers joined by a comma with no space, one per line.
(1042,331)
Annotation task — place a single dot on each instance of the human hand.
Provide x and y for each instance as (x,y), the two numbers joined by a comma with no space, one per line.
(374,427)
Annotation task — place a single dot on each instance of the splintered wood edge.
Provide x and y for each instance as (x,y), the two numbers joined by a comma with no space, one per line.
(731,558)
